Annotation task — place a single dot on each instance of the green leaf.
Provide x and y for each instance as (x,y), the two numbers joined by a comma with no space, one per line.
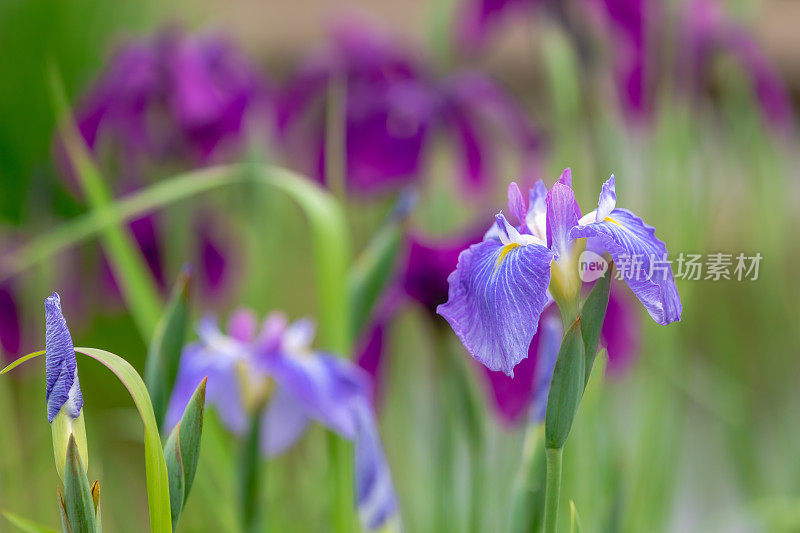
(566,388)
(78,501)
(62,511)
(163,357)
(248,475)
(574,519)
(27,525)
(155,466)
(137,284)
(177,479)
(24,359)
(592,315)
(182,451)
(331,246)
(373,270)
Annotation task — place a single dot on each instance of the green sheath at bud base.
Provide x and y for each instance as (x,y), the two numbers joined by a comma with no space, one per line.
(77,503)
(62,427)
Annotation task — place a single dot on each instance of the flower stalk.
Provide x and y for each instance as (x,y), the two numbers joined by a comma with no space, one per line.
(553,488)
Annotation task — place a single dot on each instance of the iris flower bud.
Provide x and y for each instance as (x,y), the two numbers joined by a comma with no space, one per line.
(63,392)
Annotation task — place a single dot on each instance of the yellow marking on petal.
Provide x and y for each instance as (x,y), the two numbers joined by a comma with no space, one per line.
(504,252)
(609,219)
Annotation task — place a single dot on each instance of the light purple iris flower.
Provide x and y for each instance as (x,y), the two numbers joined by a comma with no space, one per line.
(303,386)
(394,109)
(500,287)
(63,390)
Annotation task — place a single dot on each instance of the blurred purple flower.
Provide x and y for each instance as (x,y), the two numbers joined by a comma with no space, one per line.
(393,111)
(621,331)
(635,32)
(10,327)
(429,262)
(172,97)
(707,31)
(526,392)
(243,368)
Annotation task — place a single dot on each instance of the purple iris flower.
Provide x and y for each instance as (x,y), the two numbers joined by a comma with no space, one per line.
(394,108)
(500,287)
(63,392)
(250,365)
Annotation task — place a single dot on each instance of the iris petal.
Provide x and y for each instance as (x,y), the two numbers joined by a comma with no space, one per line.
(282,424)
(562,214)
(324,385)
(222,390)
(495,299)
(376,499)
(627,238)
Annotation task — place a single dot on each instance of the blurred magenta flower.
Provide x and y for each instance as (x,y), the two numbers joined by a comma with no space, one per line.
(276,362)
(174,101)
(500,287)
(621,332)
(428,264)
(173,97)
(636,31)
(10,327)
(63,392)
(394,110)
(526,392)
(706,32)
(625,23)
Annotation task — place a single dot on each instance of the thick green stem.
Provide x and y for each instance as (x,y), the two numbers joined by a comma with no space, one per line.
(342,479)
(553,489)
(249,477)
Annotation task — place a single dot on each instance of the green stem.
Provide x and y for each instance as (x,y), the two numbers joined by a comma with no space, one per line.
(249,476)
(342,484)
(553,489)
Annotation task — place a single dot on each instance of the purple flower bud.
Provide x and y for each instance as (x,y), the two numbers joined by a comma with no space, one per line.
(63,389)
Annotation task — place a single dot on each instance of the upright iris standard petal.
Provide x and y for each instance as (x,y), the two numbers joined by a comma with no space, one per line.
(63,390)
(562,214)
(608,200)
(641,259)
(497,293)
(516,204)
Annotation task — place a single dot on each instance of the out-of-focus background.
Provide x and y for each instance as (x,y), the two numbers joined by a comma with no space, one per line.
(690,103)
